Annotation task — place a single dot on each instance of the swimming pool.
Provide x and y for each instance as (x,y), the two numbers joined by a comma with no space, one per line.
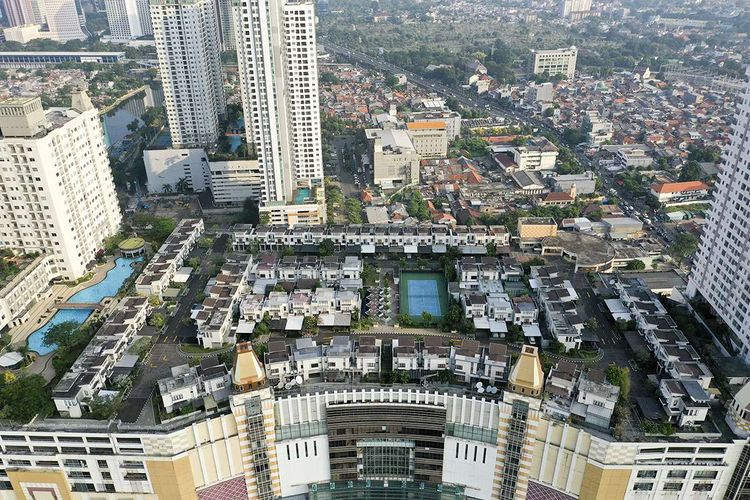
(108,287)
(302,195)
(234,142)
(36,339)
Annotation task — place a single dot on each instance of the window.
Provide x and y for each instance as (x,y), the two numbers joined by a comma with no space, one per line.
(643,486)
(672,486)
(705,474)
(681,474)
(703,487)
(646,473)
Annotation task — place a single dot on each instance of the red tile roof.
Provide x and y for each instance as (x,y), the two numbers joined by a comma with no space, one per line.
(678,187)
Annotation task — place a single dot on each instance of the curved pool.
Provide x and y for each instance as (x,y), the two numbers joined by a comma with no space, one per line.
(108,287)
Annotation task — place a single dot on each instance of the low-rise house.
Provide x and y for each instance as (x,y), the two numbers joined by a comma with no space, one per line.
(405,354)
(467,359)
(367,359)
(684,401)
(90,371)
(679,193)
(168,259)
(215,317)
(189,383)
(596,399)
(525,311)
(435,356)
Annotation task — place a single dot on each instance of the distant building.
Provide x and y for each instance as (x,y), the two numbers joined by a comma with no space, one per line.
(188,49)
(169,166)
(64,18)
(585,183)
(679,193)
(627,157)
(555,62)
(128,19)
(541,93)
(40,59)
(429,138)
(533,229)
(536,153)
(22,33)
(233,181)
(394,158)
(575,9)
(601,130)
(451,119)
(17,12)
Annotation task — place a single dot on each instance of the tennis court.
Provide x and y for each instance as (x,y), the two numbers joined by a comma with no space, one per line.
(423,292)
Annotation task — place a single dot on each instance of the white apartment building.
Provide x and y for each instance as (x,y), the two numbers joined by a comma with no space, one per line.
(575,9)
(64,20)
(721,270)
(188,383)
(188,48)
(57,192)
(23,290)
(537,153)
(232,182)
(395,160)
(601,129)
(277,66)
(128,19)
(168,166)
(555,62)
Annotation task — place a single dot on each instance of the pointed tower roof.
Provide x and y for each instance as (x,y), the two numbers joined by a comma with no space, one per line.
(247,371)
(527,376)
(80,101)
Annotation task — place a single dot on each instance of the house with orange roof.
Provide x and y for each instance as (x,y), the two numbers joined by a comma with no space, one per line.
(679,193)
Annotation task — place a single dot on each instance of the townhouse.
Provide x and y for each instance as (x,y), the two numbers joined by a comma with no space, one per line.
(163,266)
(91,371)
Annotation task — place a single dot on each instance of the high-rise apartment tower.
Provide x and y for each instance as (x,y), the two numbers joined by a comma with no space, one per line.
(57,192)
(188,48)
(721,268)
(276,53)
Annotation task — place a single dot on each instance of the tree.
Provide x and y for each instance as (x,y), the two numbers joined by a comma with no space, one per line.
(491,249)
(133,126)
(63,335)
(619,376)
(326,248)
(154,301)
(24,398)
(635,265)
(330,78)
(265,218)
(157,320)
(250,212)
(194,262)
(690,172)
(557,347)
(310,325)
(104,408)
(369,275)
(684,245)
(263,327)
(167,189)
(181,186)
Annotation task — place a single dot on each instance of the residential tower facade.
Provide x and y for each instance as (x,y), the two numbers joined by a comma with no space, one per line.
(721,268)
(189,52)
(58,196)
(276,55)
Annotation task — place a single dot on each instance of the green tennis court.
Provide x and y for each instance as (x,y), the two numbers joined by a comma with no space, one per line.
(423,292)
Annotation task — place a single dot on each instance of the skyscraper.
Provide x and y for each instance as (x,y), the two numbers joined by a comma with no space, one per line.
(59,197)
(64,20)
(18,12)
(188,48)
(276,56)
(721,268)
(128,18)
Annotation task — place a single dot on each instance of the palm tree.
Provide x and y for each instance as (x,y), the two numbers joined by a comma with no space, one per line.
(167,189)
(182,185)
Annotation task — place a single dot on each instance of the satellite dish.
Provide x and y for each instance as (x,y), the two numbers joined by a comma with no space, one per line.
(480,390)
(298,379)
(289,384)
(479,385)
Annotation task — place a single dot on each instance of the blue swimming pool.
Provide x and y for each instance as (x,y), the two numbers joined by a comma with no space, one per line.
(302,195)
(36,339)
(108,287)
(234,142)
